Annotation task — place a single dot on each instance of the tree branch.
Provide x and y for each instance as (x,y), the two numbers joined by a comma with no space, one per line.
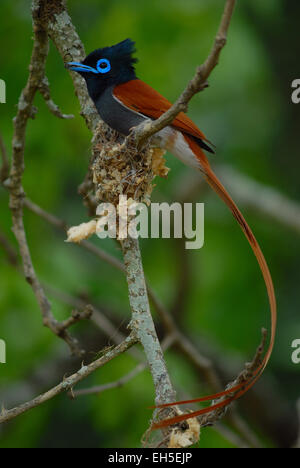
(69,382)
(201,363)
(9,250)
(247,373)
(263,199)
(109,386)
(77,316)
(53,108)
(174,337)
(197,84)
(64,36)
(24,113)
(142,322)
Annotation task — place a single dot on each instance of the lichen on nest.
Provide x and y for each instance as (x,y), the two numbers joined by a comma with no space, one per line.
(119,170)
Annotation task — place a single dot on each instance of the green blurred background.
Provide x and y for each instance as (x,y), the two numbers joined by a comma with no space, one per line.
(216,294)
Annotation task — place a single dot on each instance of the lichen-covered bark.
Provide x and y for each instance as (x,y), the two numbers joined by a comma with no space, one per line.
(64,35)
(142,322)
(25,111)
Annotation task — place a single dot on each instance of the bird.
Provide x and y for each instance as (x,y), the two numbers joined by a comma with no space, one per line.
(123,101)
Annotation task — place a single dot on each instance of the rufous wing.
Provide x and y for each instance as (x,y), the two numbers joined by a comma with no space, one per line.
(140,97)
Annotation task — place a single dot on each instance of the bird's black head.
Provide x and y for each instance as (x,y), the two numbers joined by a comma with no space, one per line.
(106,67)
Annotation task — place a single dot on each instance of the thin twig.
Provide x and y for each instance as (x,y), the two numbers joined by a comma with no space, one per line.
(50,218)
(53,108)
(77,316)
(197,84)
(98,317)
(69,382)
(230,436)
(61,327)
(245,376)
(61,224)
(109,386)
(166,344)
(263,199)
(24,113)
(86,190)
(9,250)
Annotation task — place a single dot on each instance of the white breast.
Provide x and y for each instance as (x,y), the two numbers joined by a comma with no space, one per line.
(173,141)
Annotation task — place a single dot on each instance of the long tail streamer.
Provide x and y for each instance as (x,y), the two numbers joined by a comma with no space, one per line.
(238,390)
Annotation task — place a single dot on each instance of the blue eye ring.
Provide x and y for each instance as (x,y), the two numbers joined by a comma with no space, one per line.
(103,69)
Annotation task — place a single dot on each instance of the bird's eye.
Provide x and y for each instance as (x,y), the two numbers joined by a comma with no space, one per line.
(103,66)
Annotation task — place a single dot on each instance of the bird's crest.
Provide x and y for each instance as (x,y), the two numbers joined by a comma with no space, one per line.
(122,52)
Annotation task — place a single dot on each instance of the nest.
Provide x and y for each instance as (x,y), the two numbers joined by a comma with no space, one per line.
(124,170)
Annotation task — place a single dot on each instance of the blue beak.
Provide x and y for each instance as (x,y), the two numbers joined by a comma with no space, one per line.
(77,66)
